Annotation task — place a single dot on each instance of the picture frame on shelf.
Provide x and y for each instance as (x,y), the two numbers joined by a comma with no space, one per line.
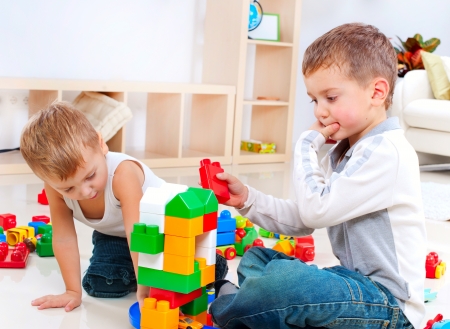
(268,29)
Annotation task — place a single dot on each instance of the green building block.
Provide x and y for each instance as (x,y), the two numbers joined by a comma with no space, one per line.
(196,306)
(147,239)
(247,240)
(207,197)
(265,234)
(44,246)
(185,205)
(170,281)
(43,229)
(1,230)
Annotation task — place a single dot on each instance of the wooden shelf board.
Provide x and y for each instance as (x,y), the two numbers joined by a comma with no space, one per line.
(265,103)
(269,43)
(251,157)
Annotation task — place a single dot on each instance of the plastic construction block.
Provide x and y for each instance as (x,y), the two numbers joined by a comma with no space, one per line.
(434,267)
(429,296)
(178,264)
(208,273)
(183,227)
(178,245)
(305,252)
(41,218)
(207,239)
(170,281)
(134,315)
(285,247)
(2,238)
(43,229)
(8,221)
(225,223)
(208,253)
(44,246)
(154,200)
(42,198)
(208,179)
(202,317)
(151,261)
(208,199)
(225,238)
(1,230)
(430,323)
(211,295)
(197,306)
(16,235)
(174,189)
(153,219)
(146,239)
(185,205)
(175,299)
(15,258)
(158,315)
(210,221)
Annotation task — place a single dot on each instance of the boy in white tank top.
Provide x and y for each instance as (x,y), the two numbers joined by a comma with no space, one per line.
(100,189)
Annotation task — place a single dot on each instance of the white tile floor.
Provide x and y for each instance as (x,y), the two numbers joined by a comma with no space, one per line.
(18,195)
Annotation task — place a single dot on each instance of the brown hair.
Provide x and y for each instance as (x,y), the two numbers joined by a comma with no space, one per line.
(360,51)
(52,141)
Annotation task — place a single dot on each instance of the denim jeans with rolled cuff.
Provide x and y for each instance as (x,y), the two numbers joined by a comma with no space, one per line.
(278,291)
(111,272)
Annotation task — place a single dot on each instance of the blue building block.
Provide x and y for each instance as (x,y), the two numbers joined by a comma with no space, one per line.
(225,223)
(2,238)
(225,238)
(36,226)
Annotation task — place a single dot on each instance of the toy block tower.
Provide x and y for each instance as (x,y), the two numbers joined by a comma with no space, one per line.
(175,239)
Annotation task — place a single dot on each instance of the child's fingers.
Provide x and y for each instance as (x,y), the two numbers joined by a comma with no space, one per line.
(330,130)
(40,300)
(71,305)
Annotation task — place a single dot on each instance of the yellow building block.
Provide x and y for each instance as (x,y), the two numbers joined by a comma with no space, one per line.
(178,264)
(202,318)
(29,229)
(158,315)
(183,227)
(178,245)
(285,247)
(16,235)
(208,273)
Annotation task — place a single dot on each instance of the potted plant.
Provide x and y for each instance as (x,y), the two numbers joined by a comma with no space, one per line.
(408,53)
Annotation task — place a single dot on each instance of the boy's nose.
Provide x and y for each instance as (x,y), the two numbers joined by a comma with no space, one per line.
(321,111)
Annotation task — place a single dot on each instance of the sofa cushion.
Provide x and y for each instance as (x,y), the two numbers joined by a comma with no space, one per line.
(431,114)
(437,74)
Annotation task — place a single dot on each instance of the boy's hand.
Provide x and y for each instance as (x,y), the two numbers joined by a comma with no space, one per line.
(326,131)
(69,300)
(142,293)
(238,191)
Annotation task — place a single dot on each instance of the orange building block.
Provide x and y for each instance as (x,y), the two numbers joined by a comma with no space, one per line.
(178,264)
(183,227)
(158,315)
(202,317)
(208,273)
(178,245)
(285,247)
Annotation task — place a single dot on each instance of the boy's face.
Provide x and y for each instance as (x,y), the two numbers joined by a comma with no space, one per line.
(342,100)
(89,181)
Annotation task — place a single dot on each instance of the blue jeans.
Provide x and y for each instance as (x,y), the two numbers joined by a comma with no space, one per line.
(278,291)
(111,272)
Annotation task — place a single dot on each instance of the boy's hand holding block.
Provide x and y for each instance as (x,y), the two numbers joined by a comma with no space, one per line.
(208,179)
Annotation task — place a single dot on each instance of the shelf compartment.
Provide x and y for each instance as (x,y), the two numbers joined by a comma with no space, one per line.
(287,10)
(41,99)
(270,43)
(265,103)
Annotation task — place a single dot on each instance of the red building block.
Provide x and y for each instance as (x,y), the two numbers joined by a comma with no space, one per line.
(14,258)
(304,248)
(209,180)
(41,218)
(175,299)
(430,323)
(42,198)
(7,221)
(434,267)
(209,221)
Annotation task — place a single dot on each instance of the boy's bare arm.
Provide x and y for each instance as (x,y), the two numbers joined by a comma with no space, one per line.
(65,247)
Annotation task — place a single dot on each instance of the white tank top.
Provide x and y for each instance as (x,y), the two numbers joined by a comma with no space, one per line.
(112,221)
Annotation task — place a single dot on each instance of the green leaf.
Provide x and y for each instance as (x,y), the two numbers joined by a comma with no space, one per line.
(419,38)
(431,45)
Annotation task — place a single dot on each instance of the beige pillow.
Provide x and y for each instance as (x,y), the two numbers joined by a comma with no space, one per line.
(438,74)
(105,113)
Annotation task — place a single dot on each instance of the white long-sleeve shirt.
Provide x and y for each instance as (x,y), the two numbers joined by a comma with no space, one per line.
(370,202)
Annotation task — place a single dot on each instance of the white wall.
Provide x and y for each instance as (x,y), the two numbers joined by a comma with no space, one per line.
(162,40)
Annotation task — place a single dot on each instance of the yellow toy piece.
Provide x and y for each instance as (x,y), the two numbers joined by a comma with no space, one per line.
(183,227)
(208,273)
(158,315)
(440,270)
(16,235)
(285,247)
(285,237)
(178,264)
(177,245)
(29,229)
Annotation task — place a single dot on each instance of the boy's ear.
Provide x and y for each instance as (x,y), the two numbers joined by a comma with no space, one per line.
(380,91)
(102,143)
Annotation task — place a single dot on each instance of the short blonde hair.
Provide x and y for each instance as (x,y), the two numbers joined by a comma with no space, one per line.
(360,51)
(52,141)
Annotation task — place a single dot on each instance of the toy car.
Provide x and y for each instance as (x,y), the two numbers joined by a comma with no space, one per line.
(434,267)
(188,323)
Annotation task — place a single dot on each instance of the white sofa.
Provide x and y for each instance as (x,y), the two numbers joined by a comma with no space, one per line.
(426,120)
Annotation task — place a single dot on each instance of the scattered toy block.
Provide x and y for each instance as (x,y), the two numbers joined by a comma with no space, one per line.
(434,267)
(175,299)
(285,247)
(158,315)
(16,235)
(36,225)
(146,239)
(13,258)
(185,205)
(41,218)
(2,238)
(429,296)
(178,245)
(43,229)
(8,221)
(42,197)
(208,179)
(44,247)
(183,227)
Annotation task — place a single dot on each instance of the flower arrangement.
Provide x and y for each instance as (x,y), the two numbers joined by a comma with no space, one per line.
(408,53)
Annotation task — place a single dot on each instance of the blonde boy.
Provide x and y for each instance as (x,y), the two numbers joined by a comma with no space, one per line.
(366,192)
(100,189)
